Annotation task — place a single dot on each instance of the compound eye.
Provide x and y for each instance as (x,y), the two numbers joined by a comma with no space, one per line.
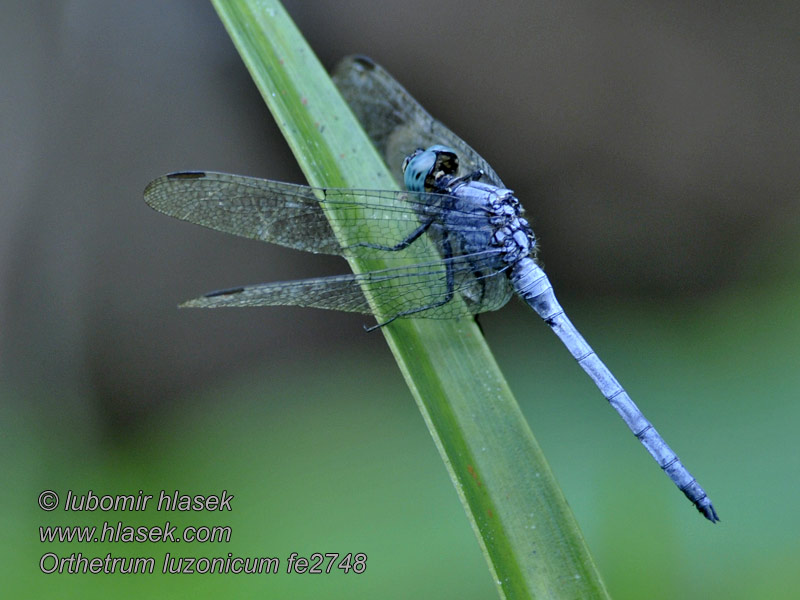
(411,157)
(417,169)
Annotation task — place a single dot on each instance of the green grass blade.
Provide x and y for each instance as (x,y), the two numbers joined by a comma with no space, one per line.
(527,532)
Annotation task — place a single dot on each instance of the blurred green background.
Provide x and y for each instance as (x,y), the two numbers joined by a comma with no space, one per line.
(655,149)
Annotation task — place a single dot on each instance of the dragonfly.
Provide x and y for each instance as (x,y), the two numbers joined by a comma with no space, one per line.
(460,237)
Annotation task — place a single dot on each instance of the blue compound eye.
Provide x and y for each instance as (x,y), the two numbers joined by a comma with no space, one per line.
(418,167)
(411,157)
(423,168)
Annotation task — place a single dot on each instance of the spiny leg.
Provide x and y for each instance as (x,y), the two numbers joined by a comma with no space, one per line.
(448,296)
(412,237)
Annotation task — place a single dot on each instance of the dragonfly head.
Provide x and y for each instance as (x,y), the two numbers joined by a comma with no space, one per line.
(423,169)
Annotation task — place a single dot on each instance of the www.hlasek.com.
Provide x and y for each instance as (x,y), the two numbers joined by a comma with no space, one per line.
(121,532)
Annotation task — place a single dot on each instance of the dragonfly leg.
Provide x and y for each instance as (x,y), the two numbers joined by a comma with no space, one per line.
(448,296)
(412,237)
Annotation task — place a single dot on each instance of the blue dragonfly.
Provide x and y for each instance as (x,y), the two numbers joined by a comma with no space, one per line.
(455,208)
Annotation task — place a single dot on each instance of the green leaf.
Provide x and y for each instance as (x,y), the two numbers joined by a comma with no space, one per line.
(527,532)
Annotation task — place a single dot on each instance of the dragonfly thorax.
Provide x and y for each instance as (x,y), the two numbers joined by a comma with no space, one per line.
(512,232)
(435,170)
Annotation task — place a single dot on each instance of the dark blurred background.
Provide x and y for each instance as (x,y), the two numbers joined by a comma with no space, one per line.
(655,148)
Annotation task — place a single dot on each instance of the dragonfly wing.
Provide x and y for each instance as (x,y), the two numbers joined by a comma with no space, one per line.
(395,122)
(423,290)
(271,211)
(374,221)
(341,292)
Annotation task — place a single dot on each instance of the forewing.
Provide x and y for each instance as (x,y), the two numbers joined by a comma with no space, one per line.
(292,215)
(260,209)
(395,122)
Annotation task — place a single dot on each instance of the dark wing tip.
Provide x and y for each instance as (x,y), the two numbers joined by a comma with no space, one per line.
(225,292)
(152,196)
(364,61)
(186,175)
(201,303)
